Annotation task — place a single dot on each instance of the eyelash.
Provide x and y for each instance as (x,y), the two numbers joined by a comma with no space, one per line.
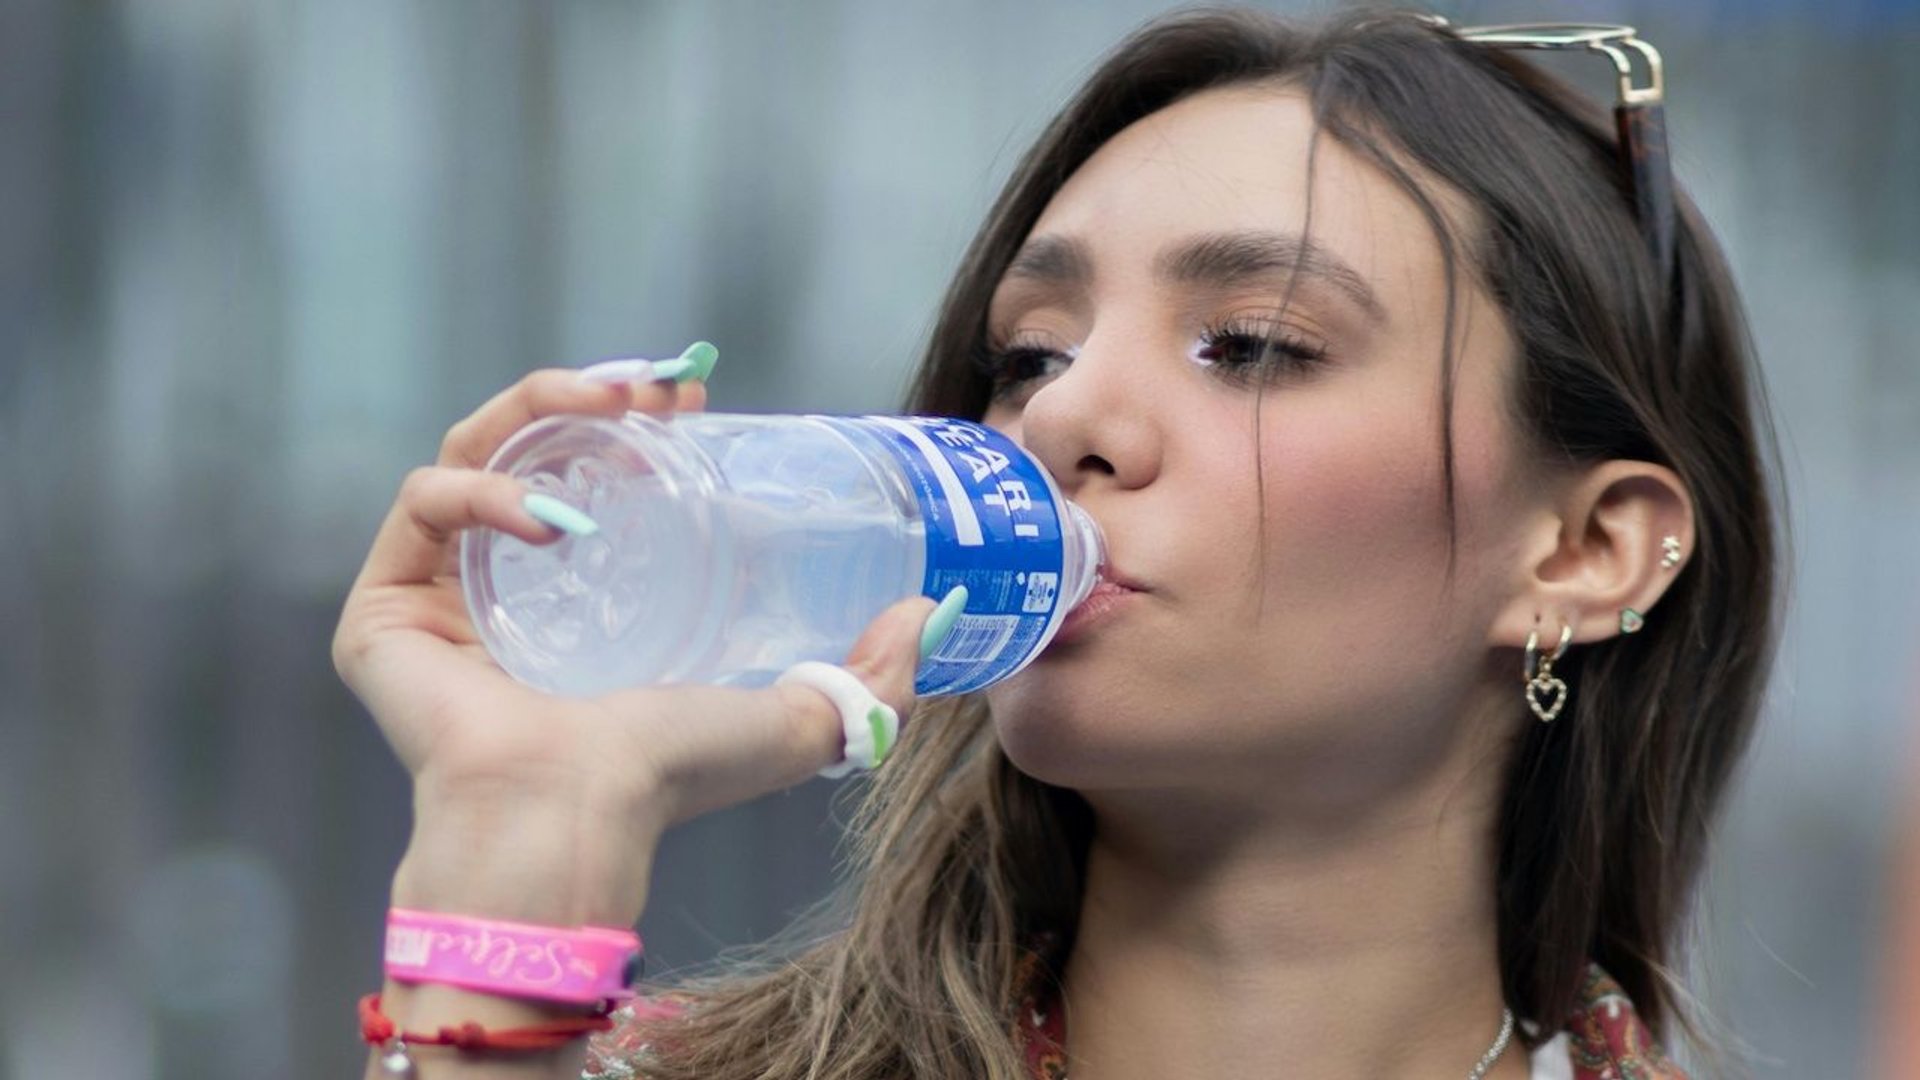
(1257,343)
(1238,346)
(1011,366)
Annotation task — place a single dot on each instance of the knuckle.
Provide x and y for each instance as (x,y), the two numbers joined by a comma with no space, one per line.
(344,655)
(419,483)
(900,697)
(807,718)
(349,648)
(548,383)
(453,447)
(418,479)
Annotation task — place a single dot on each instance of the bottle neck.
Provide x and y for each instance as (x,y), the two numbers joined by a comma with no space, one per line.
(1084,553)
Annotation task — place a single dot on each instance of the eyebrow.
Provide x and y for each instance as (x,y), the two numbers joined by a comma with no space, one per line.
(1052,260)
(1215,259)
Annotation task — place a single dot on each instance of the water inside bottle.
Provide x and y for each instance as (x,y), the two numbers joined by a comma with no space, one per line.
(586,614)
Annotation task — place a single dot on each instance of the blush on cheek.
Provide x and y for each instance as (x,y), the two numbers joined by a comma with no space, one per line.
(1352,501)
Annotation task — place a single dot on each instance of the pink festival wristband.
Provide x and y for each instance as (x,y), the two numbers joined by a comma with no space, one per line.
(578,966)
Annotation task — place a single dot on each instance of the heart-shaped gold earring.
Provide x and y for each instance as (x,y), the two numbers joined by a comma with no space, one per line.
(1546,683)
(1539,676)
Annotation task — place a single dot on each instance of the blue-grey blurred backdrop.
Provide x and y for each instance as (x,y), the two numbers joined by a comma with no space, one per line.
(255,255)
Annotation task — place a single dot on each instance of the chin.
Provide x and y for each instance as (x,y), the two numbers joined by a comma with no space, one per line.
(1070,738)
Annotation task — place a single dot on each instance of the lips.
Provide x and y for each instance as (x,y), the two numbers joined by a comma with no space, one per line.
(1111,575)
(1112,593)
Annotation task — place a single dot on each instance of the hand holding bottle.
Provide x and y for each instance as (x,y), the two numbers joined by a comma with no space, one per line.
(535,807)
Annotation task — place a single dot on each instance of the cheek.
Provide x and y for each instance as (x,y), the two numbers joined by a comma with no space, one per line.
(1004,419)
(1353,496)
(1356,515)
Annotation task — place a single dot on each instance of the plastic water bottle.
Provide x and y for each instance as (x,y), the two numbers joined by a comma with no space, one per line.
(733,546)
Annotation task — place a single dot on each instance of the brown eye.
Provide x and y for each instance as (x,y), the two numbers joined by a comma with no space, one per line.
(1016,371)
(1241,350)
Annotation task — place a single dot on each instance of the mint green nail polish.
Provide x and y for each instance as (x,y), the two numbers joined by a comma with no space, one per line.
(551,511)
(703,356)
(940,623)
(677,370)
(877,723)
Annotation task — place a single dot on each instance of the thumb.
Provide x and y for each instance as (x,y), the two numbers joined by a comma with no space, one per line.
(888,652)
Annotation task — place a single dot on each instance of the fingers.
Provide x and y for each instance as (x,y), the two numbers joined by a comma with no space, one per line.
(401,552)
(435,503)
(471,442)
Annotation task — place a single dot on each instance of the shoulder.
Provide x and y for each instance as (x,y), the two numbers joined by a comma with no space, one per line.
(1607,1039)
(618,1053)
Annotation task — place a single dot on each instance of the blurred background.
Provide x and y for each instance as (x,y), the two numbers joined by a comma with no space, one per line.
(256,255)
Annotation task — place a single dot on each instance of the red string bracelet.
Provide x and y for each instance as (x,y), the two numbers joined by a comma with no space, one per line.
(378,1031)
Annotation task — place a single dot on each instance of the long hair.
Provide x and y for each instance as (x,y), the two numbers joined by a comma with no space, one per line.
(961,864)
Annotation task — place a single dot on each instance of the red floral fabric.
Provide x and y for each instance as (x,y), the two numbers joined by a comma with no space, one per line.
(1608,1041)
(620,1053)
(1606,1038)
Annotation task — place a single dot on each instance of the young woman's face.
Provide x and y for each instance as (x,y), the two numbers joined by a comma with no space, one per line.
(1295,616)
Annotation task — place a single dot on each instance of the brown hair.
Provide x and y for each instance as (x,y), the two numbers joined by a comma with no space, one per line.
(961,862)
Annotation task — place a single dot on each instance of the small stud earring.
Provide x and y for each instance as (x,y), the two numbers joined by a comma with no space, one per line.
(1631,621)
(1670,552)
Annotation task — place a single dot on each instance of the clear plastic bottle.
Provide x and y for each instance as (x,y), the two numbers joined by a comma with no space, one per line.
(733,546)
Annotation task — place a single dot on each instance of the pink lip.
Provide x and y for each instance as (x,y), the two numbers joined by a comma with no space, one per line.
(1110,596)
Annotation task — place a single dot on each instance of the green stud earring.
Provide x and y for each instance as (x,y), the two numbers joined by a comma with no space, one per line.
(1631,621)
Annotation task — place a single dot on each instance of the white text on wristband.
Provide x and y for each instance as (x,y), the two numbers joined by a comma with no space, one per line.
(577,965)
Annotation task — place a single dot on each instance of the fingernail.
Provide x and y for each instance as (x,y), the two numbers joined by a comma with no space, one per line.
(696,362)
(679,370)
(940,623)
(610,372)
(551,511)
(877,722)
(703,355)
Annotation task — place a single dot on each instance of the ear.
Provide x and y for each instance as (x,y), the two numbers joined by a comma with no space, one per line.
(1597,551)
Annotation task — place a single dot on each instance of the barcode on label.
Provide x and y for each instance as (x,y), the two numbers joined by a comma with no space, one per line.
(407,946)
(977,637)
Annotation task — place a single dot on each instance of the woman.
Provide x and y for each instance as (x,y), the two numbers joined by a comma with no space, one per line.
(1404,441)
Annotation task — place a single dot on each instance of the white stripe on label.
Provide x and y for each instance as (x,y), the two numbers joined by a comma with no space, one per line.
(965,521)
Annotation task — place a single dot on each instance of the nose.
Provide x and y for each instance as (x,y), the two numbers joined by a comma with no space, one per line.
(1100,422)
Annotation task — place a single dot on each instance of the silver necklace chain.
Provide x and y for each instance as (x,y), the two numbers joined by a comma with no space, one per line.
(1499,1046)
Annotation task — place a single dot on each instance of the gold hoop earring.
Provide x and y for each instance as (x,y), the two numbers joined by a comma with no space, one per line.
(1538,674)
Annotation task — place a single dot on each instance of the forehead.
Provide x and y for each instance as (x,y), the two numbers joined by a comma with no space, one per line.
(1237,159)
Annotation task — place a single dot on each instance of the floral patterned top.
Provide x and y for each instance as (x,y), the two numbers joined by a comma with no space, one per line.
(1604,1039)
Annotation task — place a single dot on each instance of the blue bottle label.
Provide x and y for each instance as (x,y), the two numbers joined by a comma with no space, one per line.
(993,526)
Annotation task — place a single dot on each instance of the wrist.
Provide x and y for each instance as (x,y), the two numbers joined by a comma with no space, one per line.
(538,863)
